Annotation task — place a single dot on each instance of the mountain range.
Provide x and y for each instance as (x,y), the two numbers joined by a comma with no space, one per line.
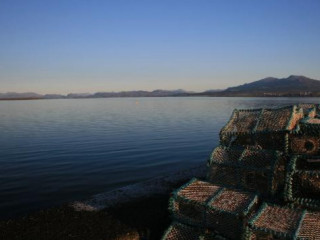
(291,86)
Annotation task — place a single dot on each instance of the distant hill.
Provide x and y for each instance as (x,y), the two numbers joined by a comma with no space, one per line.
(26,95)
(290,86)
(139,93)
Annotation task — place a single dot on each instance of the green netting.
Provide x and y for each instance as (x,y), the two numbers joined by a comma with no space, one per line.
(202,204)
(278,119)
(309,109)
(310,227)
(211,236)
(267,128)
(188,203)
(310,127)
(250,169)
(257,158)
(308,163)
(229,211)
(224,175)
(303,182)
(272,141)
(178,231)
(242,122)
(304,144)
(275,222)
(248,160)
(225,155)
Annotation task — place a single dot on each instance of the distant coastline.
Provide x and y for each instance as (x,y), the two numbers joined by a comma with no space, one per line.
(292,86)
(190,95)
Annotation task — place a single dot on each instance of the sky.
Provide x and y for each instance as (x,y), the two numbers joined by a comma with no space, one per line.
(65,46)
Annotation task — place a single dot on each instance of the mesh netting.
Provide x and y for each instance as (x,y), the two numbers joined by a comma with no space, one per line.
(310,227)
(178,231)
(304,144)
(198,191)
(271,141)
(279,176)
(188,204)
(257,158)
(312,121)
(254,169)
(264,236)
(181,232)
(306,185)
(226,175)
(277,221)
(224,155)
(309,109)
(263,127)
(228,211)
(226,224)
(311,163)
(303,182)
(188,212)
(276,120)
(232,201)
(249,159)
(209,236)
(242,121)
(253,180)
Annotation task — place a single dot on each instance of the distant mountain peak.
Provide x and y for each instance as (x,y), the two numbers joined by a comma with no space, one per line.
(296,76)
(293,83)
(269,79)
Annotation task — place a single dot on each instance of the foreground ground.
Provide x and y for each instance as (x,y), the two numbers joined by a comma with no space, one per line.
(141,219)
(145,218)
(140,213)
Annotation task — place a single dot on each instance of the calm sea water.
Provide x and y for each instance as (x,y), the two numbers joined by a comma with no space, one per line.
(55,151)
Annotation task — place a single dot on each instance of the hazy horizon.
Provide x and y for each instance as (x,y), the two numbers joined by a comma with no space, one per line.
(78,46)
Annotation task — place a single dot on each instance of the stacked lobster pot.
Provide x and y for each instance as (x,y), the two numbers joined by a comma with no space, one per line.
(250,169)
(278,222)
(266,128)
(263,180)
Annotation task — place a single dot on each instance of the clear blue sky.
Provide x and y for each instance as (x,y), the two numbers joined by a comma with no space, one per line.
(88,46)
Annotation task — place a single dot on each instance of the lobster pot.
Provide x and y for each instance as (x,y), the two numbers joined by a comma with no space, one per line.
(267,128)
(224,175)
(310,227)
(188,203)
(306,140)
(240,128)
(303,182)
(222,164)
(262,171)
(279,119)
(252,169)
(310,126)
(272,140)
(179,231)
(275,222)
(210,236)
(309,109)
(228,212)
(303,144)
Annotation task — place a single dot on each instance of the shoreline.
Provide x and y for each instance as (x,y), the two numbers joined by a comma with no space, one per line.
(159,185)
(134,212)
(183,96)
